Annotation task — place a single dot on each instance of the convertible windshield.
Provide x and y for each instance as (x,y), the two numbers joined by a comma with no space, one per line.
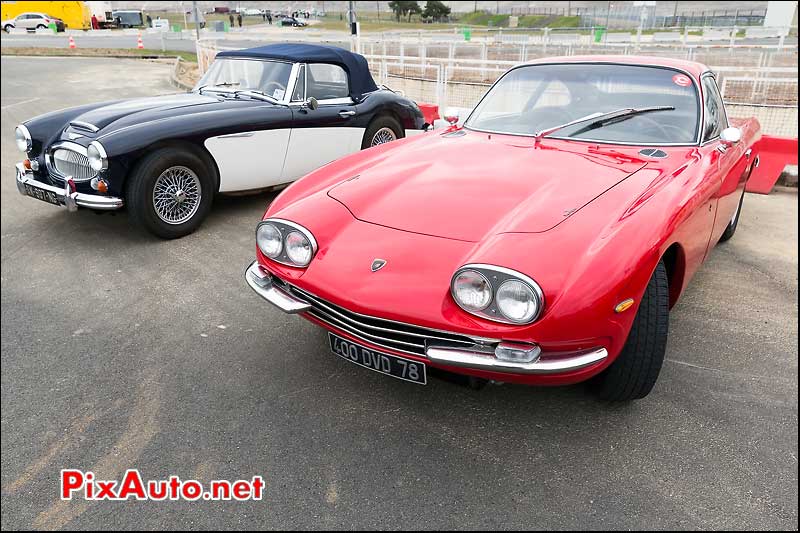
(531,99)
(266,77)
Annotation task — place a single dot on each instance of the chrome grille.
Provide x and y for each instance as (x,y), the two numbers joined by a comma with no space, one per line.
(71,163)
(399,336)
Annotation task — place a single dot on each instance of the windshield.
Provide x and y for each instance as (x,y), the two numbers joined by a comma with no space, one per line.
(268,77)
(531,99)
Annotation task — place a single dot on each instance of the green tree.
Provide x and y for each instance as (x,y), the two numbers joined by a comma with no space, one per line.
(404,8)
(435,10)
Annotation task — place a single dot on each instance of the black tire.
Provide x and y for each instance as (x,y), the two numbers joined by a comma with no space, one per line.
(7,28)
(41,27)
(632,375)
(378,124)
(139,191)
(732,225)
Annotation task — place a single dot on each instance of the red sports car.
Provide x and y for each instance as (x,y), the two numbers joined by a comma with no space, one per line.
(543,242)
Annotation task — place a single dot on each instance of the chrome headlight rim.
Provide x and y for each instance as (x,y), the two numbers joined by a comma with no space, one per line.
(26,137)
(285,227)
(497,276)
(102,156)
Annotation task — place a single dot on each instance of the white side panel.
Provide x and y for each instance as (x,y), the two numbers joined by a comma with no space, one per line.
(310,148)
(249,160)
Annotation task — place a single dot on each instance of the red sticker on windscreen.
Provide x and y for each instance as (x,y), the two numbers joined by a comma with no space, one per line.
(681,80)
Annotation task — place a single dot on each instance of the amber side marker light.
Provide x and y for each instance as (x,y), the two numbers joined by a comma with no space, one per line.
(27,164)
(623,305)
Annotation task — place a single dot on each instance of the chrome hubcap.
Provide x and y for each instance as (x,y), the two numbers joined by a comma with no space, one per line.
(176,195)
(383,136)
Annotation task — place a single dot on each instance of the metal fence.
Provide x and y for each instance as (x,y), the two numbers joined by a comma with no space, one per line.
(755,81)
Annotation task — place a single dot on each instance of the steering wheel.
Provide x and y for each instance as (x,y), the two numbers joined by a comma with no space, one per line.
(277,85)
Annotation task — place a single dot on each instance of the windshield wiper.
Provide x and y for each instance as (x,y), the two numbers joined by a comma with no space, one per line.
(601,119)
(258,95)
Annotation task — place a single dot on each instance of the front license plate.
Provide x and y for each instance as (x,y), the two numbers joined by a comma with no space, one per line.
(384,363)
(41,194)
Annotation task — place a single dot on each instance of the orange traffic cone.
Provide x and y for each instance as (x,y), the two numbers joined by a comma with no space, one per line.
(139,43)
(72,43)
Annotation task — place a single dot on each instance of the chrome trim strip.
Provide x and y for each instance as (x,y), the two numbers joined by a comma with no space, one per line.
(91,201)
(329,309)
(477,340)
(84,126)
(261,283)
(466,359)
(234,135)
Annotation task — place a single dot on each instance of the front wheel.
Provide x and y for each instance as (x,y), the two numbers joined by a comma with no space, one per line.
(7,28)
(381,131)
(634,373)
(170,193)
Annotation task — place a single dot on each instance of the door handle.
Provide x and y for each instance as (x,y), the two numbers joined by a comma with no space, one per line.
(345,114)
(748,152)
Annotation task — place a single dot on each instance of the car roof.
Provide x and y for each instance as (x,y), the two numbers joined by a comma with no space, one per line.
(693,68)
(355,65)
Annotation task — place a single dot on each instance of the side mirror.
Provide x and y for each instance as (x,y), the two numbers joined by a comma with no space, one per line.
(451,116)
(731,136)
(312,103)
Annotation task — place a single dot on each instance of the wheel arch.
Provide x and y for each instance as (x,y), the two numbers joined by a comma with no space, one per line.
(180,144)
(674,259)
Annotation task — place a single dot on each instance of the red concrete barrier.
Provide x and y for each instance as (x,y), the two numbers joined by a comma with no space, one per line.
(430,112)
(774,154)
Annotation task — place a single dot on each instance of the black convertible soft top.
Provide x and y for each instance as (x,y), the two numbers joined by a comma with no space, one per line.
(355,65)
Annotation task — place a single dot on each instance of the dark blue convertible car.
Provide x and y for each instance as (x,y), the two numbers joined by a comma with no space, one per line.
(258,118)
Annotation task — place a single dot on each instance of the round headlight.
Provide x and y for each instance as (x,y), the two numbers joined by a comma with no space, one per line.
(517,301)
(269,240)
(96,156)
(23,138)
(472,290)
(298,248)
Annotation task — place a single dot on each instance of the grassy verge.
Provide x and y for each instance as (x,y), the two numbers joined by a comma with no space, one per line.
(99,52)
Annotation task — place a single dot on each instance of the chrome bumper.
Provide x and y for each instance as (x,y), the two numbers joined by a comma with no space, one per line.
(72,200)
(466,359)
(261,282)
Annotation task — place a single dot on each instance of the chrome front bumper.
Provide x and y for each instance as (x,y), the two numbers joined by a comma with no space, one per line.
(72,200)
(261,282)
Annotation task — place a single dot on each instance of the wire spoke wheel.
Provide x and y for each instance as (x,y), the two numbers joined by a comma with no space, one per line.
(383,136)
(176,195)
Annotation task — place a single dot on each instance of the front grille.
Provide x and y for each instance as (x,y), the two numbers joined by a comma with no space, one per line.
(71,163)
(406,338)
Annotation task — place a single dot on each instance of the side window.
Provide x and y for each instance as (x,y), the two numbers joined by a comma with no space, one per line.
(715,119)
(326,82)
(299,93)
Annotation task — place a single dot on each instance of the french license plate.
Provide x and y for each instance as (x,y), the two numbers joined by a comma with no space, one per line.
(41,194)
(392,365)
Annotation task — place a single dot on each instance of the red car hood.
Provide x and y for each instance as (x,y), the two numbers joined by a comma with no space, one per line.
(471,185)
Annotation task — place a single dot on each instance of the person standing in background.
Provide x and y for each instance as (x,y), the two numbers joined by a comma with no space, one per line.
(239,19)
(149,21)
(95,24)
(230,17)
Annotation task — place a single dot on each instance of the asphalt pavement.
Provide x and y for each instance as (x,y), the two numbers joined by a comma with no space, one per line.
(122,351)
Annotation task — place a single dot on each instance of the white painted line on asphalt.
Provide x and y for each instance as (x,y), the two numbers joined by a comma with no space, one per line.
(18,103)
